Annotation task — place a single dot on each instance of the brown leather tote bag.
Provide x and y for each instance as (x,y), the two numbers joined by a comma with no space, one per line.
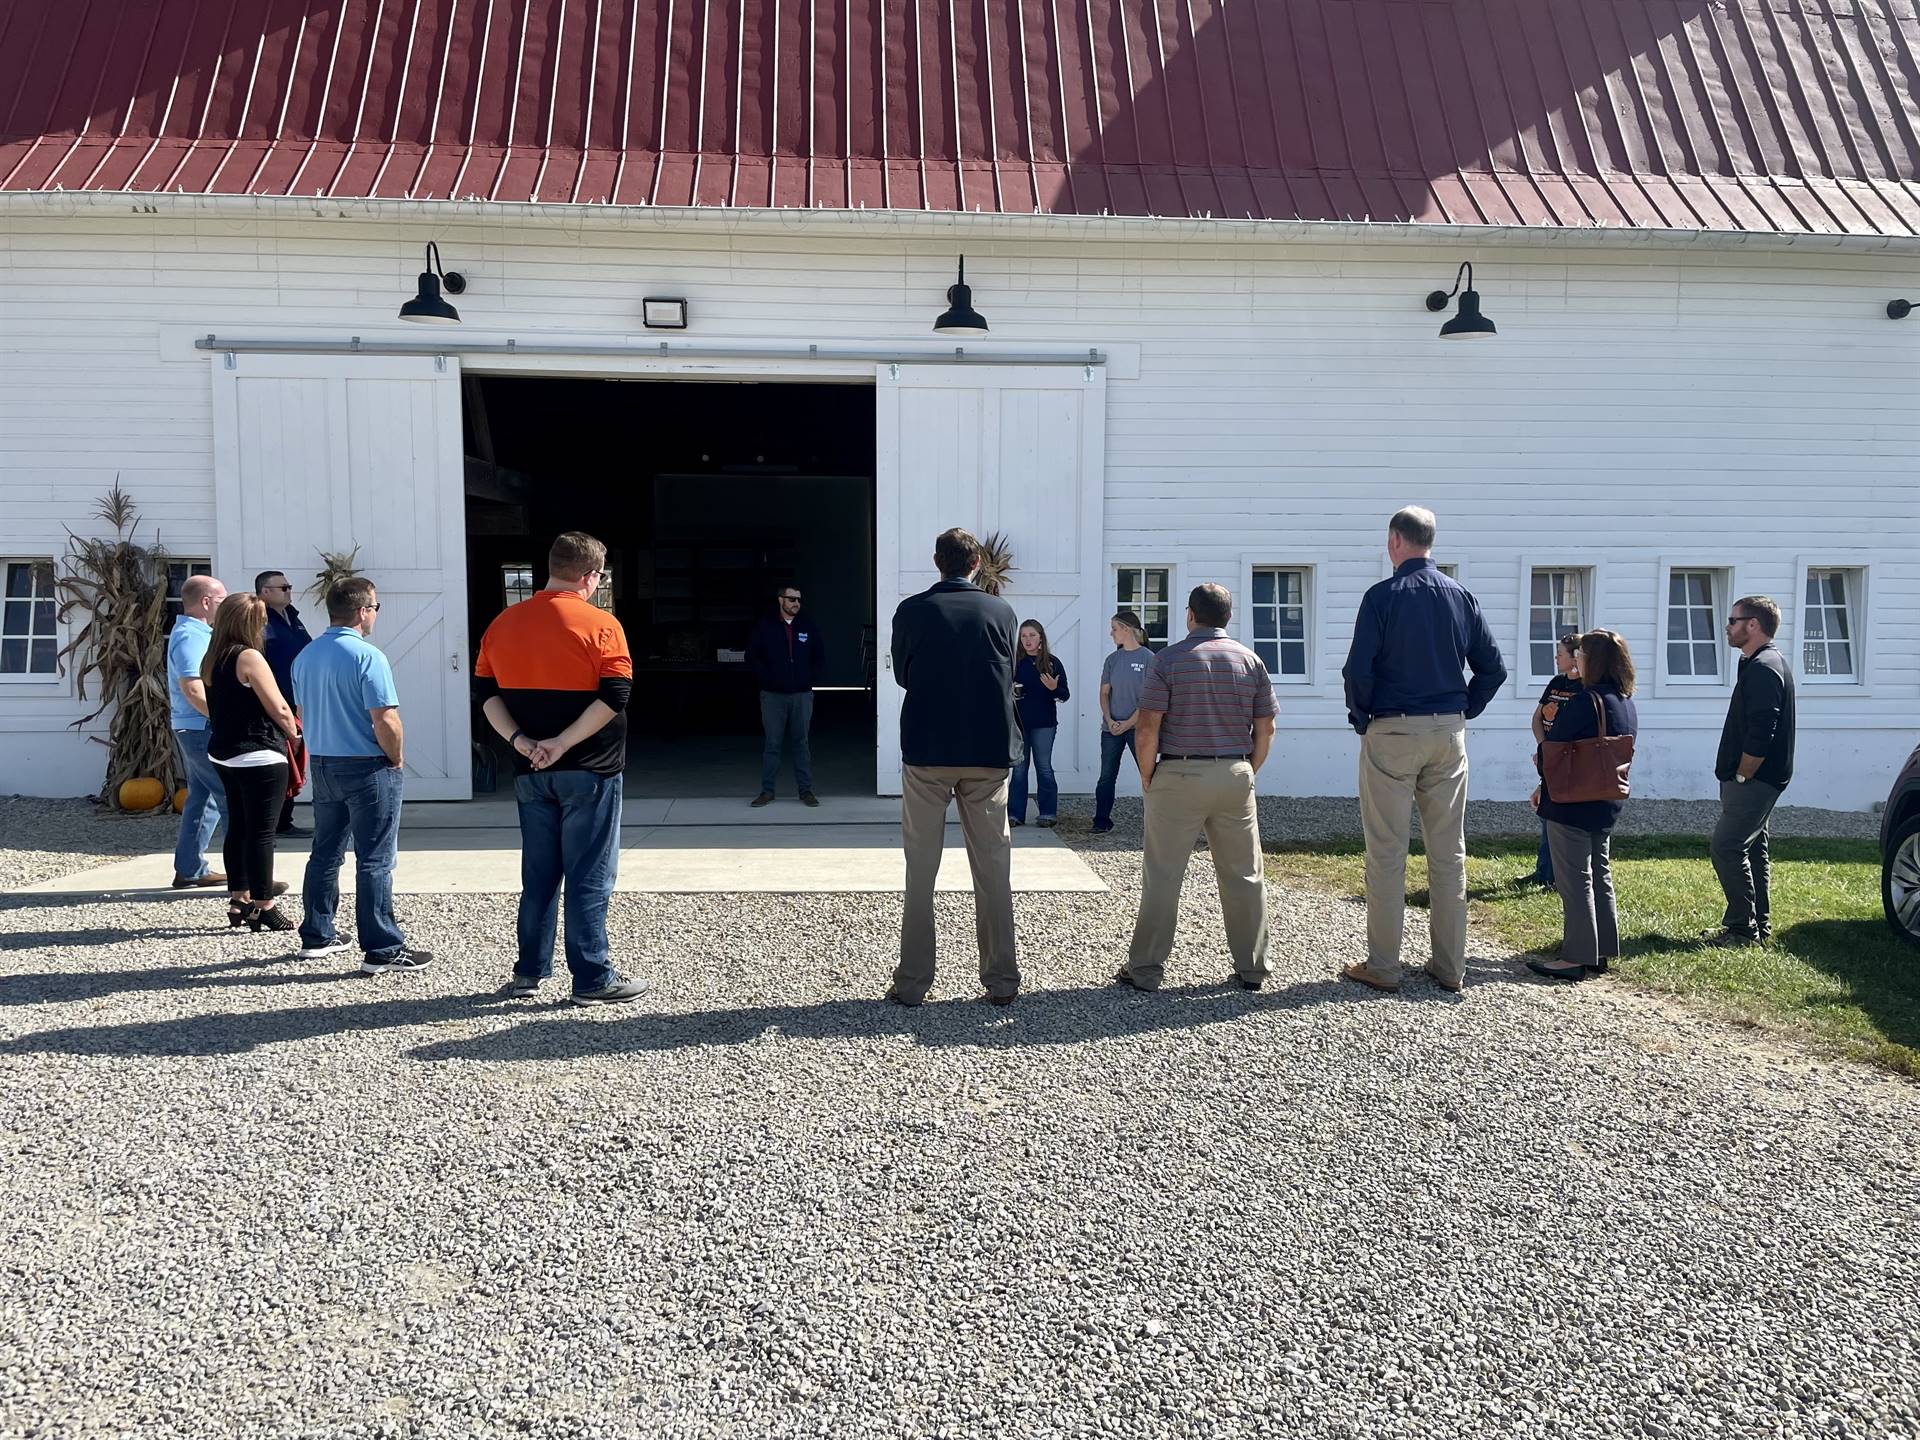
(1591,769)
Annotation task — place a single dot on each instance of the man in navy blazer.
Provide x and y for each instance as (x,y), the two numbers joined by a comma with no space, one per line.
(953,653)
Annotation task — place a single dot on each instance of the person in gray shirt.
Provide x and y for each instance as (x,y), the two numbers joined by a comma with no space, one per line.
(1121,677)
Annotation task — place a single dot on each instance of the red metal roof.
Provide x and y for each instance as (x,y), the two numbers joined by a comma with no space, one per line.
(1763,115)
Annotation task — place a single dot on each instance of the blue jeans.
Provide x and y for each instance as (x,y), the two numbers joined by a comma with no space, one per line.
(200,816)
(569,830)
(1040,747)
(1543,862)
(355,797)
(1112,747)
(789,717)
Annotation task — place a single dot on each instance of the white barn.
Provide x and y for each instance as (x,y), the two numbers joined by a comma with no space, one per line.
(1202,242)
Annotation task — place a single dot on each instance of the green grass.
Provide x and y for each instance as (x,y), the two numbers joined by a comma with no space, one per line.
(1834,973)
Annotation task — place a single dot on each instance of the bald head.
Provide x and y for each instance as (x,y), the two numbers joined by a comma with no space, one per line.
(200,596)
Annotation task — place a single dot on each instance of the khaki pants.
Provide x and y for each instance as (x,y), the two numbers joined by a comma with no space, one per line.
(1415,760)
(1186,797)
(925,791)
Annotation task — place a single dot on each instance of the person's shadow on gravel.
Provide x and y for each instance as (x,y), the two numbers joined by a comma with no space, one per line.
(66,987)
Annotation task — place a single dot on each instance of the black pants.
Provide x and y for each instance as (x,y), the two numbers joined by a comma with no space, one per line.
(254,795)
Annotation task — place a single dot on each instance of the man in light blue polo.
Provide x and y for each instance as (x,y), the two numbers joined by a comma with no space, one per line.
(351,714)
(187,698)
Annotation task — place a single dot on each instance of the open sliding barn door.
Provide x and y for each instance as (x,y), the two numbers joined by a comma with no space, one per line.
(334,452)
(1014,448)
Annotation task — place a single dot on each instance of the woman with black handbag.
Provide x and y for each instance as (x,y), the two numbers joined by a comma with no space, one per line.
(1583,788)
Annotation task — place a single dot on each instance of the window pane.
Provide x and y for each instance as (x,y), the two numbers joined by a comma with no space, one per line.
(1293,623)
(1816,623)
(1813,657)
(1542,658)
(1128,579)
(1293,587)
(13,657)
(1677,588)
(1836,587)
(43,617)
(1677,623)
(1706,660)
(19,580)
(1679,659)
(1269,654)
(1813,587)
(43,657)
(1157,586)
(1837,628)
(1542,594)
(1293,658)
(1703,626)
(17,618)
(1840,659)
(1700,589)
(1263,587)
(1265,627)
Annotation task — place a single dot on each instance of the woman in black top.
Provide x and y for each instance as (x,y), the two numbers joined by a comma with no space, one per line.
(1564,685)
(1581,833)
(249,723)
(1039,687)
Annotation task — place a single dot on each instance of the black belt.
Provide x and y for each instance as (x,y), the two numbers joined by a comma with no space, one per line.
(1242,756)
(1409,715)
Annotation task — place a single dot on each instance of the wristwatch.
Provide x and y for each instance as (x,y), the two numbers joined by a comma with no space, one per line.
(1739,779)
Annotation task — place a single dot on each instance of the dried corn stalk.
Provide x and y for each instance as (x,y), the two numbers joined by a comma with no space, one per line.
(996,563)
(119,586)
(335,566)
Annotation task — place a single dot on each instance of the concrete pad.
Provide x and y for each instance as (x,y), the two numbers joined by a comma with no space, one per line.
(771,860)
(496,813)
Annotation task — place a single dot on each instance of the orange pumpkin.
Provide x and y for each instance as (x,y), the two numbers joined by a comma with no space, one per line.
(146,793)
(180,800)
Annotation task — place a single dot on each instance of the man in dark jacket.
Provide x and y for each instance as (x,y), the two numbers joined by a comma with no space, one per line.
(1753,767)
(953,651)
(286,637)
(787,655)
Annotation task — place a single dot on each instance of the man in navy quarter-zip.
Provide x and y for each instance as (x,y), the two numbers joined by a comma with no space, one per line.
(786,654)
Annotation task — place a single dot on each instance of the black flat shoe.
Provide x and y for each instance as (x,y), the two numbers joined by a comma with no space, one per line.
(1123,978)
(1003,1000)
(1245,984)
(894,997)
(1558,969)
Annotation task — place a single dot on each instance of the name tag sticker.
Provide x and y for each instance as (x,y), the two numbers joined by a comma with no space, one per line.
(801,636)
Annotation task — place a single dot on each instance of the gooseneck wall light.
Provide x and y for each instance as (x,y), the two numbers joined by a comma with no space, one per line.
(1469,323)
(1899,309)
(428,308)
(960,318)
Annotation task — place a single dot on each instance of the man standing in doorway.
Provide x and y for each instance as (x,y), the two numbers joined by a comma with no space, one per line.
(1205,725)
(555,678)
(1410,701)
(351,713)
(187,645)
(953,652)
(787,656)
(1753,767)
(286,637)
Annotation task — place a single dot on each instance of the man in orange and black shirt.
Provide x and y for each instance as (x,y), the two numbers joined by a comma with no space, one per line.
(554,676)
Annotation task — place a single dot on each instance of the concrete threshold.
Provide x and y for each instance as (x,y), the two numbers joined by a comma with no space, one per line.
(654,859)
(496,812)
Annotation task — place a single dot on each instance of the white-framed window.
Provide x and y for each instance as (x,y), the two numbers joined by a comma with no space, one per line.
(516,583)
(177,573)
(1832,622)
(1448,568)
(1147,591)
(1559,599)
(29,635)
(1279,619)
(1694,637)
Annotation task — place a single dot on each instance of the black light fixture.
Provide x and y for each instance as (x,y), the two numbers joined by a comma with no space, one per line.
(661,312)
(427,308)
(1469,323)
(961,318)
(1899,309)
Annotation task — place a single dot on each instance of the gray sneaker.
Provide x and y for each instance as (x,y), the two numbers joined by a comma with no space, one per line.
(397,962)
(619,989)
(519,988)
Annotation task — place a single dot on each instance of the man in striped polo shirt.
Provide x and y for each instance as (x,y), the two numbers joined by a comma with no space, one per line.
(1205,726)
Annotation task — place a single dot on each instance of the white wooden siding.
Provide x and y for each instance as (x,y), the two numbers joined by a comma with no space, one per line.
(1752,410)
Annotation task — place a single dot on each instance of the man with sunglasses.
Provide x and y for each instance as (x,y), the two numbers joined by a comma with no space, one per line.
(286,637)
(1753,767)
(787,655)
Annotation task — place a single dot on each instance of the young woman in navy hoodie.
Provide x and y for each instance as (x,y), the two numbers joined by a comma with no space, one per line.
(1040,688)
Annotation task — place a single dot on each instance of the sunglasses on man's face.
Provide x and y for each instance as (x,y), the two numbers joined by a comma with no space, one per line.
(1733,620)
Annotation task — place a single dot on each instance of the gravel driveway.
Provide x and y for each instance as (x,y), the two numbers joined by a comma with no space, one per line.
(246,1196)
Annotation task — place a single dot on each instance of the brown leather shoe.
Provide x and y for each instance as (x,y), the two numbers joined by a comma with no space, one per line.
(203,882)
(1360,976)
(1434,976)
